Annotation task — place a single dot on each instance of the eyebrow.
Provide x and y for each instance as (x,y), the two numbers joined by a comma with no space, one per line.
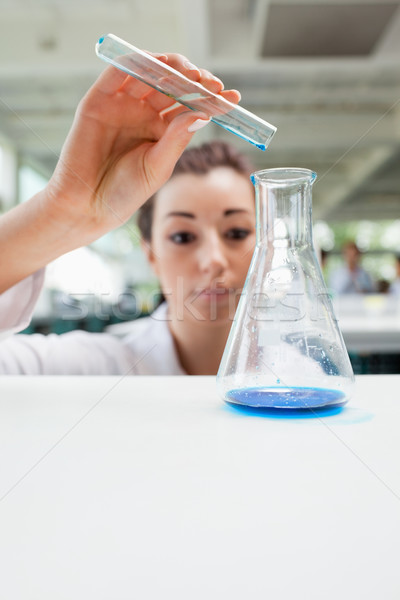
(227,213)
(177,213)
(233,211)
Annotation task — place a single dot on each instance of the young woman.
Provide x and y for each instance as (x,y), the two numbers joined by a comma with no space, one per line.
(198,233)
(123,145)
(199,236)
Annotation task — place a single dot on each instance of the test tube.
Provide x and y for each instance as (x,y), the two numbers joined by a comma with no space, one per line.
(171,82)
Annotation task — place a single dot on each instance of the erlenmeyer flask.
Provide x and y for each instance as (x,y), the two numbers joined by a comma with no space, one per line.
(285,349)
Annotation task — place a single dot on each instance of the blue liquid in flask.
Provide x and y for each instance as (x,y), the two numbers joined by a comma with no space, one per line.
(289,397)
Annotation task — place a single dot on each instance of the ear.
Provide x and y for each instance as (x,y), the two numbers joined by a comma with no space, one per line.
(149,253)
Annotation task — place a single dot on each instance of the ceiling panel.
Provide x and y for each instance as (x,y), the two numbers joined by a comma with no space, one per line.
(336,114)
(325,30)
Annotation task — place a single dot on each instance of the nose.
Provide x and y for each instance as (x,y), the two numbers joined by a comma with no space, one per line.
(213,258)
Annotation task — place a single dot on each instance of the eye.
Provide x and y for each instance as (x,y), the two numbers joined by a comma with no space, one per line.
(182,237)
(237,233)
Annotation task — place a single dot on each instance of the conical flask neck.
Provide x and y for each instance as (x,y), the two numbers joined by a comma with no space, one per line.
(283,206)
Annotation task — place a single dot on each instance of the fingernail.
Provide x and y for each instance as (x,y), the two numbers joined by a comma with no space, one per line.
(198,124)
(190,66)
(157,55)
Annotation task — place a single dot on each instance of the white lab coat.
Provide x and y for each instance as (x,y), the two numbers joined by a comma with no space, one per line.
(147,349)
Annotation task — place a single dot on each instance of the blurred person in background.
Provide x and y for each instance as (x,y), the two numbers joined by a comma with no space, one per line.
(351,278)
(394,287)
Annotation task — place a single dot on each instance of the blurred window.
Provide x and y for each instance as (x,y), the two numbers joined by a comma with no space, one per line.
(30,181)
(8,179)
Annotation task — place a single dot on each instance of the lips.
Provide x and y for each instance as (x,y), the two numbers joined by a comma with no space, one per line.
(216,291)
(215,294)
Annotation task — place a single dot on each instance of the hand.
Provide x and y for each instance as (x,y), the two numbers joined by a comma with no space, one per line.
(122,147)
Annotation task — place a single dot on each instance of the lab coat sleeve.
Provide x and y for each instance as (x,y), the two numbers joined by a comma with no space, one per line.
(17,304)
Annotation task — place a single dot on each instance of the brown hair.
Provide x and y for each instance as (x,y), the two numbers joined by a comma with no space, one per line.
(199,160)
(351,245)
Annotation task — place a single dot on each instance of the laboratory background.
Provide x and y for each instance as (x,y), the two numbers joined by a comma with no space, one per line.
(325,72)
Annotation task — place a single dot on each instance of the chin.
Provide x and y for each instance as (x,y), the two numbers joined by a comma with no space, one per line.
(212,315)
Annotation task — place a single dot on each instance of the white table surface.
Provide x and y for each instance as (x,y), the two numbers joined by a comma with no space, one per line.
(152,488)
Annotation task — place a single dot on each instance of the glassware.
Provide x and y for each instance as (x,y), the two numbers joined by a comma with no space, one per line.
(285,349)
(167,80)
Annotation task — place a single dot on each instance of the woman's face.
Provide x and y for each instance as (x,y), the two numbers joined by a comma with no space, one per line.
(203,237)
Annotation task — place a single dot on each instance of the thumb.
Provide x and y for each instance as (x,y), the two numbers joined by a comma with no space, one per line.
(164,154)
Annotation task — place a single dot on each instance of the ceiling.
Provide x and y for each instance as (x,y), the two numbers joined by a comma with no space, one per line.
(325,72)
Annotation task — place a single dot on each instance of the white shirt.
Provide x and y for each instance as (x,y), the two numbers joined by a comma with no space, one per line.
(17,304)
(395,287)
(344,281)
(148,349)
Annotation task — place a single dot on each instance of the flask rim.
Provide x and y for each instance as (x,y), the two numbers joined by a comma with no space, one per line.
(284,176)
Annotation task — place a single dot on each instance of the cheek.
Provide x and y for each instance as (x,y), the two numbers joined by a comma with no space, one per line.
(241,265)
(245,267)
(174,267)
(166,271)
(246,255)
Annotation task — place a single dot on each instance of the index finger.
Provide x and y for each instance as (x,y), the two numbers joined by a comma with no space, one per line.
(110,80)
